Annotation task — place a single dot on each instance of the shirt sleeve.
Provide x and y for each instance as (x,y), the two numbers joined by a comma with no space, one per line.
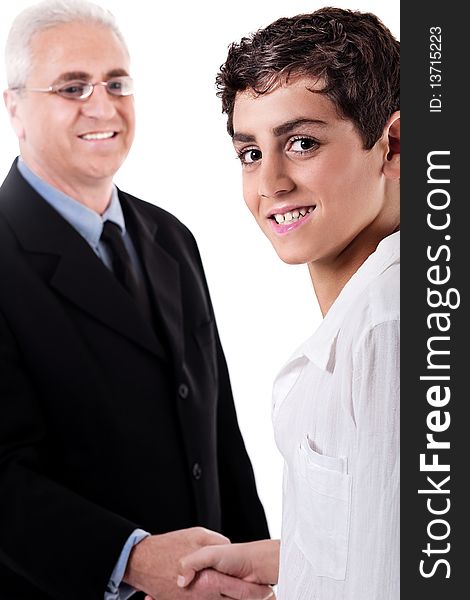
(375,528)
(116,589)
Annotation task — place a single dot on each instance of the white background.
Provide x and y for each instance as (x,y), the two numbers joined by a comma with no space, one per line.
(182,160)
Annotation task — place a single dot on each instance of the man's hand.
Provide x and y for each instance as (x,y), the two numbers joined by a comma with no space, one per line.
(256,562)
(154,562)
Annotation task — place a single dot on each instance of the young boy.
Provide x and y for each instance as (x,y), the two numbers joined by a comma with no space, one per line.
(312,104)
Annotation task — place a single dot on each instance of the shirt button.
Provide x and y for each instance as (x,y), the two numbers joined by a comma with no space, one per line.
(183,391)
(197,471)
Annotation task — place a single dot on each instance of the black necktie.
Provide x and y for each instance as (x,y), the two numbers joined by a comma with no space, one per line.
(122,264)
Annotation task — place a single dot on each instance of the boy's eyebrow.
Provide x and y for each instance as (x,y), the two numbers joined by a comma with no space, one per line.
(282,129)
(290,125)
(243,137)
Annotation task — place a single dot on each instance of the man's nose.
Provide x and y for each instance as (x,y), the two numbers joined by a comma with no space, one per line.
(100,105)
(274,178)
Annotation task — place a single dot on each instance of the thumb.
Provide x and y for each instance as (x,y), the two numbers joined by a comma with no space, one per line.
(188,566)
(207,537)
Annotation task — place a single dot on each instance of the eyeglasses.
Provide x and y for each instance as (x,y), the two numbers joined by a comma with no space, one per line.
(81,90)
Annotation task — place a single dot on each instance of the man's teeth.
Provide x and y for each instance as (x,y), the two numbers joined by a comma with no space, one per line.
(294,215)
(98,136)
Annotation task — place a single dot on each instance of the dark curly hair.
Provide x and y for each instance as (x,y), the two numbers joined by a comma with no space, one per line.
(352,53)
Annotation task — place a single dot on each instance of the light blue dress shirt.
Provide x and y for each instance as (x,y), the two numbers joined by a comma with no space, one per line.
(89,224)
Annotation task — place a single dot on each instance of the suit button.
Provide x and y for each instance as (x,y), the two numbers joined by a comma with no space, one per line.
(183,391)
(197,471)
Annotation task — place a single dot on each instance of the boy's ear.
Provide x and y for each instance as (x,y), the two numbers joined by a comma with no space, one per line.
(391,164)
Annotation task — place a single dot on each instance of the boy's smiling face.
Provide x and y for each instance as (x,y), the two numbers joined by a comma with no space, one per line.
(307,179)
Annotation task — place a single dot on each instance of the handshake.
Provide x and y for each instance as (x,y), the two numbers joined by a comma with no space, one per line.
(199,564)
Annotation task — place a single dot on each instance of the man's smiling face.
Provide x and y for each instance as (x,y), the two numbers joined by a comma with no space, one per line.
(71,142)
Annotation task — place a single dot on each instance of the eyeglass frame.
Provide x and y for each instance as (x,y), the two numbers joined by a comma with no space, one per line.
(54,89)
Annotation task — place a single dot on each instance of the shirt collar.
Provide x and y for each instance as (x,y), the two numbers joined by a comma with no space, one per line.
(319,348)
(87,222)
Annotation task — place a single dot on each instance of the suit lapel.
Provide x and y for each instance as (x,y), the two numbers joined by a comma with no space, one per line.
(84,280)
(163,274)
(80,276)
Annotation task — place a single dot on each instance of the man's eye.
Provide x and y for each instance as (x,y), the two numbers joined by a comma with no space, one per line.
(303,144)
(74,89)
(114,85)
(250,156)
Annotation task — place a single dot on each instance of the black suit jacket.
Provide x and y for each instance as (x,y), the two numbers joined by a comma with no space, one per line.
(107,424)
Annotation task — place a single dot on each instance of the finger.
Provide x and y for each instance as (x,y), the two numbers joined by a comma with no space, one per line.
(238,589)
(189,565)
(247,591)
(270,596)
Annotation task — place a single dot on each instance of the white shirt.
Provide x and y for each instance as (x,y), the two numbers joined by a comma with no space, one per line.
(336,420)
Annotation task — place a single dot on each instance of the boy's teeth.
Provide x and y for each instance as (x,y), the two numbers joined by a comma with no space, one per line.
(294,215)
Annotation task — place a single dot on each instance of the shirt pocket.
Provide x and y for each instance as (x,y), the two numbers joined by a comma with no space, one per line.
(323,503)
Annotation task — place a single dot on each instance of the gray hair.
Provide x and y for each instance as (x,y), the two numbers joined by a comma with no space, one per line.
(37,18)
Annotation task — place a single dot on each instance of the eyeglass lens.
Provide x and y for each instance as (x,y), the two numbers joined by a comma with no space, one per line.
(79,90)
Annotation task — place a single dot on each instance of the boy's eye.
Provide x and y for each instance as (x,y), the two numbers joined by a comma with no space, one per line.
(303,144)
(250,156)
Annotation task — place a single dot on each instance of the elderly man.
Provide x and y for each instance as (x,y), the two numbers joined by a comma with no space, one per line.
(118,433)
